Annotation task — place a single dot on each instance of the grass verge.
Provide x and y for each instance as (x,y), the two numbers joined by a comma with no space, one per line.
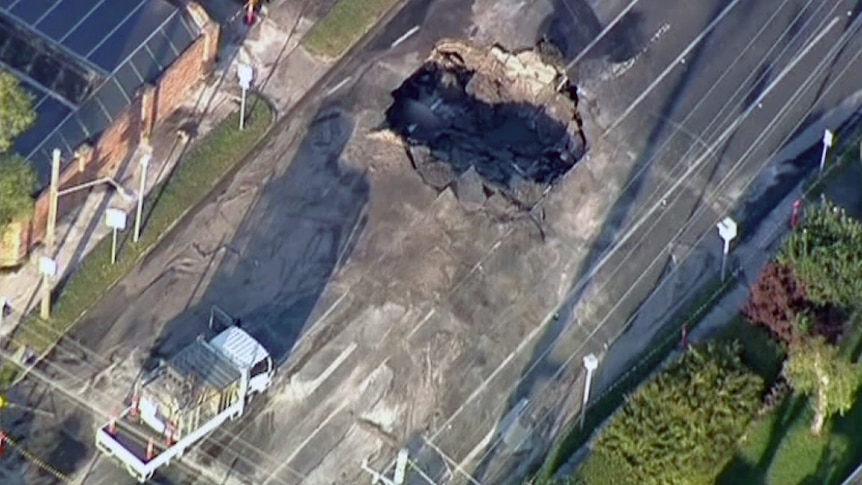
(344,25)
(199,171)
(844,153)
(600,409)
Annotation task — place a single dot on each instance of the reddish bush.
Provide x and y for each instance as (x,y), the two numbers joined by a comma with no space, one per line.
(778,301)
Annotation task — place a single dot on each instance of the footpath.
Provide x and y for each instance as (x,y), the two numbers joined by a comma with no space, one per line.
(284,73)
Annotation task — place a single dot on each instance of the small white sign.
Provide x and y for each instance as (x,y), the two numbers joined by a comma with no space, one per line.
(727,229)
(115,219)
(47,266)
(245,74)
(827,138)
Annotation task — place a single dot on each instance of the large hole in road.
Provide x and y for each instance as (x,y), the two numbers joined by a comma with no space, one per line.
(486,122)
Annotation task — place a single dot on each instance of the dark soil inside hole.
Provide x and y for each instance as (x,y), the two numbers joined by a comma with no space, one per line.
(481,129)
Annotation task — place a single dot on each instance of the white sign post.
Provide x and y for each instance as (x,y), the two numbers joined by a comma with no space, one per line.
(727,230)
(116,220)
(827,144)
(591,363)
(245,74)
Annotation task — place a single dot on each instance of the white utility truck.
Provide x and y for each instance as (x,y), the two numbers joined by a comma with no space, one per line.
(187,398)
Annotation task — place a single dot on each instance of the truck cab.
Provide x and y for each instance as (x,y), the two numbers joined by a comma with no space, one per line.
(248,355)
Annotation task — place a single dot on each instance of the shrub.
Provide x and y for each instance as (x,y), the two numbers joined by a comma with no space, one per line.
(825,253)
(779,302)
(679,427)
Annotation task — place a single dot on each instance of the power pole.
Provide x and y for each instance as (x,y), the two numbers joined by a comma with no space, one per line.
(53,195)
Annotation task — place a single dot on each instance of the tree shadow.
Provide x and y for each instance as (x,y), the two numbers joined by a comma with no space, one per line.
(571,27)
(295,216)
(289,246)
(837,462)
(740,470)
(624,40)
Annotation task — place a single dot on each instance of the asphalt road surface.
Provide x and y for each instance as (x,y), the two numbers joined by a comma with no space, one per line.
(401,320)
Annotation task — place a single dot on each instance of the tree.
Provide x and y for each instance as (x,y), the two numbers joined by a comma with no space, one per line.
(678,428)
(825,253)
(779,302)
(17,184)
(16,110)
(816,368)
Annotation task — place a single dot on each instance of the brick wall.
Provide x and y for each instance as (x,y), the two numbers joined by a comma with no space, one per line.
(135,124)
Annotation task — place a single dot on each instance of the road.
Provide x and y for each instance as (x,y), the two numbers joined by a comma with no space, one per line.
(400,319)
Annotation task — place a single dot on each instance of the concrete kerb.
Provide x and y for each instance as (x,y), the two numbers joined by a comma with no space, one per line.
(169,231)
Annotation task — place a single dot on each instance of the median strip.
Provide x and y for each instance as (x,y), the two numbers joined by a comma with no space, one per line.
(345,24)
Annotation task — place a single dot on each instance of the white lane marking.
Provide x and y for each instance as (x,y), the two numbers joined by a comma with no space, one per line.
(304,389)
(602,34)
(697,40)
(421,323)
(285,464)
(339,85)
(404,37)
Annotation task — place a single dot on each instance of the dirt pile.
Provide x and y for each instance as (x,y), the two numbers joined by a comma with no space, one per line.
(488,122)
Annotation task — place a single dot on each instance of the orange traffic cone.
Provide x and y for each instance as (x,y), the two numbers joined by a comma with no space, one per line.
(150,449)
(112,424)
(169,434)
(133,413)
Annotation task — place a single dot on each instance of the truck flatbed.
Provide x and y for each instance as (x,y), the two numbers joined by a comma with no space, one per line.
(197,369)
(134,436)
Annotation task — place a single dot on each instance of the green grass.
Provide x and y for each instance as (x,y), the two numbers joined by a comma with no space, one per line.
(344,25)
(603,407)
(202,168)
(779,449)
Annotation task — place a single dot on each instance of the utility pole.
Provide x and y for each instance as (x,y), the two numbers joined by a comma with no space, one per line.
(53,194)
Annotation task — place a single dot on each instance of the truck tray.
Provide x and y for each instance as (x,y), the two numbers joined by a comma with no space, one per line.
(134,436)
